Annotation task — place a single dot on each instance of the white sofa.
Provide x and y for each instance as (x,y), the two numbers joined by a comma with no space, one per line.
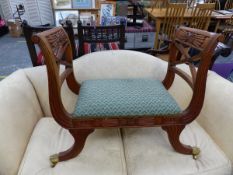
(29,135)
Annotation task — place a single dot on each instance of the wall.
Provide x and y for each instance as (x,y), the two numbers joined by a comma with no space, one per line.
(1,13)
(6,9)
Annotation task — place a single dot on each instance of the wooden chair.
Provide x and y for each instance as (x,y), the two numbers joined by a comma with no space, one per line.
(201,20)
(158,4)
(148,104)
(36,55)
(173,19)
(228,30)
(216,2)
(228,5)
(97,38)
(201,16)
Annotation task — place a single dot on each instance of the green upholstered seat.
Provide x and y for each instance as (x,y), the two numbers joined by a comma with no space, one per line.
(124,97)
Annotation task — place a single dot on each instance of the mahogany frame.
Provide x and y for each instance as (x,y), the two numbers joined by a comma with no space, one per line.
(30,30)
(55,44)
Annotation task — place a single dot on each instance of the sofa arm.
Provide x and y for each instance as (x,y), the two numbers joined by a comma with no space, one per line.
(217,114)
(19,112)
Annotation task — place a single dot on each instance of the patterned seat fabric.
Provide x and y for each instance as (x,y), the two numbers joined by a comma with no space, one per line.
(93,47)
(124,97)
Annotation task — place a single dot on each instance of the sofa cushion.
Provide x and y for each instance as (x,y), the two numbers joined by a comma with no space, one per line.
(149,152)
(217,114)
(102,154)
(19,113)
(119,64)
(38,77)
(125,98)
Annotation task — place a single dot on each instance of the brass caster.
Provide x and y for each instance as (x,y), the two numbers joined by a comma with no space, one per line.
(54,159)
(196,152)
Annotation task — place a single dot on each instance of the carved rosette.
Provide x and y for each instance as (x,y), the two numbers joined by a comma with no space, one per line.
(196,40)
(57,40)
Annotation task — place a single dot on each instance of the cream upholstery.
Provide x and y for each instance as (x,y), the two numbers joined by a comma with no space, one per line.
(103,153)
(19,113)
(27,92)
(217,114)
(119,64)
(147,151)
(38,77)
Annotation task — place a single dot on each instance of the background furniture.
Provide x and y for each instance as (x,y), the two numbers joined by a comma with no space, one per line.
(83,9)
(216,2)
(201,16)
(228,5)
(35,54)
(173,18)
(158,4)
(158,16)
(3,30)
(3,27)
(20,10)
(14,27)
(29,133)
(140,38)
(98,38)
(228,30)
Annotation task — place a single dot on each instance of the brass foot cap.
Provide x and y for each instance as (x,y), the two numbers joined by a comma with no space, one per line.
(54,159)
(196,152)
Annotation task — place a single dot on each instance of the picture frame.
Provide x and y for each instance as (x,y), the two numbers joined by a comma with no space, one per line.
(71,15)
(87,18)
(114,20)
(107,9)
(65,4)
(82,4)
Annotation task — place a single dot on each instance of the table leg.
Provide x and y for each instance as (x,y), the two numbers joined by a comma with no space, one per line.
(158,24)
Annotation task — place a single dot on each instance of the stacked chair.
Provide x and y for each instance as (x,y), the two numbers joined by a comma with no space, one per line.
(201,16)
(97,38)
(173,19)
(36,55)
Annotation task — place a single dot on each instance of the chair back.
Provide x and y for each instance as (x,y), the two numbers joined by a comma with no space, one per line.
(57,50)
(228,30)
(30,30)
(216,2)
(203,41)
(173,19)
(158,4)
(100,34)
(228,4)
(201,16)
